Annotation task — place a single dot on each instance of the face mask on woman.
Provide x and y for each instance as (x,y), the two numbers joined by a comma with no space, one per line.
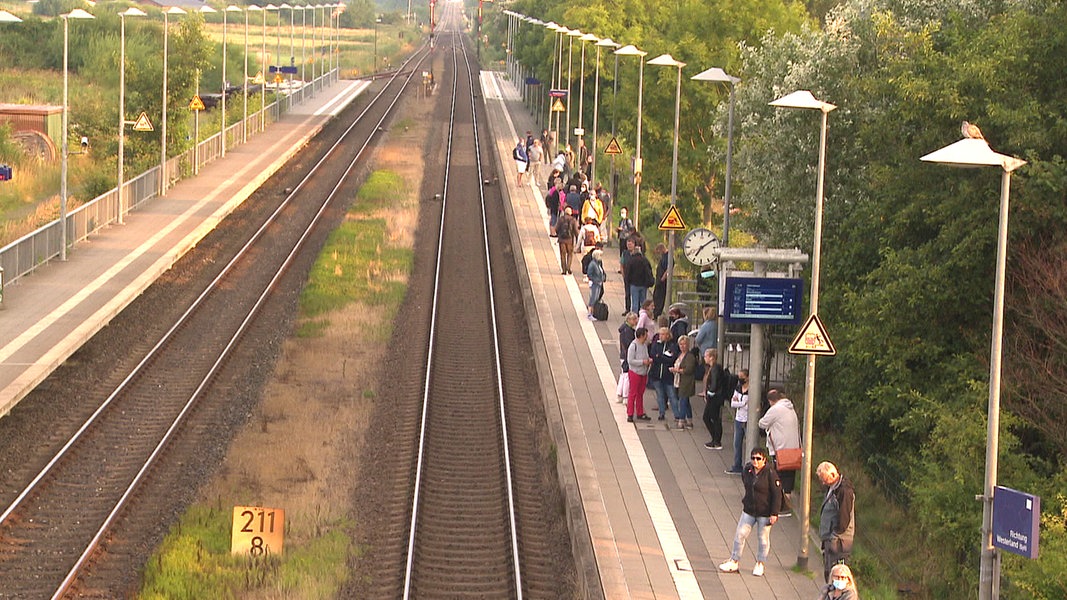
(840,583)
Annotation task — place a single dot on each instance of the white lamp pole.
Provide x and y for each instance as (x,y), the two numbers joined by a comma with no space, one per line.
(196,118)
(557,68)
(804,99)
(630,50)
(588,37)
(975,152)
(262,67)
(266,67)
(604,43)
(77,13)
(573,33)
(666,60)
(129,12)
(244,85)
(174,10)
(718,75)
(225,84)
(303,47)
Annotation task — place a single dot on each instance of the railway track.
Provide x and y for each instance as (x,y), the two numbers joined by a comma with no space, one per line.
(470,509)
(53,529)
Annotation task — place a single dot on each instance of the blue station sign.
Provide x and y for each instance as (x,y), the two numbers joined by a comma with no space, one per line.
(1016,521)
(763,300)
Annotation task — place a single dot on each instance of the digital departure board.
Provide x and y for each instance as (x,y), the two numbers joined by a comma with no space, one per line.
(763,300)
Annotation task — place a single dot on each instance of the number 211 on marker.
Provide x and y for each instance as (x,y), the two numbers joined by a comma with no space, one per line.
(257,531)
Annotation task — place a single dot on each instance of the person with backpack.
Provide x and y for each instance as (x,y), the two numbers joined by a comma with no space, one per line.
(740,403)
(597,277)
(522,160)
(716,387)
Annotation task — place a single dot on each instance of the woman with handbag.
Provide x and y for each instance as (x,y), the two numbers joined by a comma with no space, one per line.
(783,438)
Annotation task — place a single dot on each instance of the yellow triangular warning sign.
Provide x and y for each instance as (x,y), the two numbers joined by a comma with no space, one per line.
(613,147)
(557,106)
(813,339)
(278,78)
(142,123)
(672,221)
(196,103)
(258,79)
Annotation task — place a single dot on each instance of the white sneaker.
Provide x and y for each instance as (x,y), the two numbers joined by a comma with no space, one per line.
(758,570)
(730,566)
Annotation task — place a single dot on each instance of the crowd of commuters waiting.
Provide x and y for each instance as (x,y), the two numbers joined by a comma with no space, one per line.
(658,351)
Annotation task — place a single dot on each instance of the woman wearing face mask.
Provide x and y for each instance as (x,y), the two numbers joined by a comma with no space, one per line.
(739,402)
(842,585)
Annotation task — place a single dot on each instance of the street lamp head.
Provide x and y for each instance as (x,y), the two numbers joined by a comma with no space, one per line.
(78,13)
(6,17)
(270,7)
(285,5)
(803,99)
(590,38)
(206,9)
(232,8)
(174,10)
(716,74)
(630,50)
(575,33)
(973,153)
(607,43)
(254,8)
(133,11)
(551,25)
(666,60)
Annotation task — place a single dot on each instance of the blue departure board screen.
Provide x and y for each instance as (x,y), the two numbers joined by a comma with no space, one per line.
(763,300)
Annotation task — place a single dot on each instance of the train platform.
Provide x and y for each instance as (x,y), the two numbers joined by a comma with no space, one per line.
(659,511)
(47,315)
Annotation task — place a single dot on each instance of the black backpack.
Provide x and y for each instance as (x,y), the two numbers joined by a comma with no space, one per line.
(729,383)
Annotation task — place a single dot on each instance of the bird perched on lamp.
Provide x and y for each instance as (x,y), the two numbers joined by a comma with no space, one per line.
(971,131)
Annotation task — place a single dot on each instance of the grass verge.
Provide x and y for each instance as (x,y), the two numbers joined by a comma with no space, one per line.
(365,261)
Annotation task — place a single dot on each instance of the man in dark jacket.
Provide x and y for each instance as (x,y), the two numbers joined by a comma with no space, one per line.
(837,520)
(664,353)
(637,273)
(715,392)
(566,236)
(763,499)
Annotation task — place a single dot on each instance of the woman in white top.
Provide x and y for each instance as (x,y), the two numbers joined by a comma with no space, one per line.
(739,402)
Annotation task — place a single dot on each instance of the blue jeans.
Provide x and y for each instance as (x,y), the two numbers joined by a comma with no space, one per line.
(596,289)
(739,445)
(665,395)
(638,293)
(685,408)
(763,535)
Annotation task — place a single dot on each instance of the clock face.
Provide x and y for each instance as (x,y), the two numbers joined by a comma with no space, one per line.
(699,246)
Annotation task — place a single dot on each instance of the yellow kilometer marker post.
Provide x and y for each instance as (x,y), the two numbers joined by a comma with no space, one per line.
(257,531)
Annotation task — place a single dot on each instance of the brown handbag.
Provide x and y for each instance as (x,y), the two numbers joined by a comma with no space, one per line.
(788,459)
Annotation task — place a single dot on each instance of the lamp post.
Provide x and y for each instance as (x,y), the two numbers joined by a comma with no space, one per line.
(262,65)
(266,68)
(174,10)
(579,130)
(975,152)
(377,21)
(631,50)
(244,84)
(666,60)
(572,33)
(77,13)
(225,84)
(129,12)
(718,75)
(196,118)
(292,46)
(804,99)
(303,47)
(604,43)
(557,68)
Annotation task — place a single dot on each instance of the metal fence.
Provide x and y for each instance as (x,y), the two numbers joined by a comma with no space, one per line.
(32,250)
